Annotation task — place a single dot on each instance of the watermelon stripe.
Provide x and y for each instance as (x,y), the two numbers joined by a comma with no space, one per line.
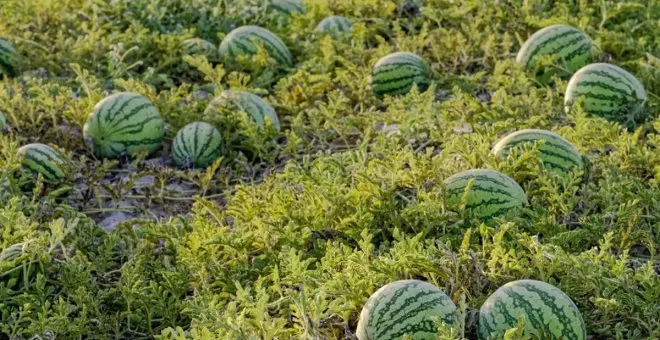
(552,40)
(477,187)
(274,50)
(119,118)
(38,165)
(112,113)
(616,80)
(578,52)
(402,317)
(566,149)
(604,86)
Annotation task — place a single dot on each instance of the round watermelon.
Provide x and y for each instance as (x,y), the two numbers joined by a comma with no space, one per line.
(405,308)
(43,159)
(557,154)
(609,92)
(492,194)
(197,145)
(9,59)
(397,73)
(548,312)
(570,47)
(335,25)
(198,46)
(124,124)
(245,40)
(288,7)
(232,102)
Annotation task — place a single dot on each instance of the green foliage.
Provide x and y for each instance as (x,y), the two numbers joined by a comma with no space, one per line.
(290,233)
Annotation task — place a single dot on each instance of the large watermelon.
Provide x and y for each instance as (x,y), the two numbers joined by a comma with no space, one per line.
(197,145)
(124,123)
(232,102)
(558,155)
(396,74)
(570,46)
(44,160)
(8,59)
(548,312)
(3,122)
(491,195)
(407,307)
(609,92)
(244,40)
(196,46)
(288,7)
(335,25)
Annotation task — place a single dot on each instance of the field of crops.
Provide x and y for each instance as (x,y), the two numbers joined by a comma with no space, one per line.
(329,169)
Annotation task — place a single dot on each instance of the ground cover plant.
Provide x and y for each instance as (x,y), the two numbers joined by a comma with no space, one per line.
(301,216)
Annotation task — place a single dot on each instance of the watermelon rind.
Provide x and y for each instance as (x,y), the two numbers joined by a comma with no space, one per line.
(288,7)
(124,123)
(257,108)
(405,308)
(197,145)
(197,46)
(492,194)
(557,154)
(3,122)
(609,92)
(548,312)
(396,74)
(43,159)
(335,26)
(9,59)
(244,40)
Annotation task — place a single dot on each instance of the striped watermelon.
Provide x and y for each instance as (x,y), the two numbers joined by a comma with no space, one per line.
(548,312)
(124,123)
(335,25)
(558,155)
(8,59)
(406,307)
(3,122)
(198,46)
(197,145)
(609,92)
(44,160)
(244,40)
(492,194)
(288,7)
(231,102)
(395,74)
(15,268)
(570,46)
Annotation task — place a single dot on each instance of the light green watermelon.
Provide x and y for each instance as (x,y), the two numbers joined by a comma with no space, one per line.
(548,312)
(405,308)
(335,25)
(395,74)
(43,159)
(229,102)
(288,7)
(570,47)
(558,155)
(124,124)
(9,59)
(196,46)
(609,92)
(197,145)
(492,194)
(244,41)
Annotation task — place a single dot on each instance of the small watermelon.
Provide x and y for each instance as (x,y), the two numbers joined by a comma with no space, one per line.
(197,145)
(335,25)
(609,92)
(237,101)
(548,312)
(288,7)
(9,59)
(44,160)
(124,123)
(558,155)
(198,46)
(492,194)
(405,308)
(244,40)
(570,46)
(3,122)
(395,74)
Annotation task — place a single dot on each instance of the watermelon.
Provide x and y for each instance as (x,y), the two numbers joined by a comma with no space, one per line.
(198,46)
(609,92)
(124,123)
(406,307)
(557,154)
(242,101)
(395,74)
(335,25)
(44,160)
(288,7)
(492,194)
(570,46)
(548,312)
(8,59)
(3,122)
(197,145)
(244,41)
